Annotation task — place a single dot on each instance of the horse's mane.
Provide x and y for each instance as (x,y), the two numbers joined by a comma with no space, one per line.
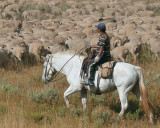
(69,53)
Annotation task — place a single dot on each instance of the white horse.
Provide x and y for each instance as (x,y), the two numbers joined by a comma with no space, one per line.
(125,78)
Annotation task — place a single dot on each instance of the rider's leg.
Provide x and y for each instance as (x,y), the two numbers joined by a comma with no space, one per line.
(92,69)
(91,73)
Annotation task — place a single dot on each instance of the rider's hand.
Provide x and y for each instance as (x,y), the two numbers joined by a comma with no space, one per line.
(97,58)
(88,46)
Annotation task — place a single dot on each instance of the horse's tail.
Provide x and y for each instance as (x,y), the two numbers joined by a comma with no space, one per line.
(144,95)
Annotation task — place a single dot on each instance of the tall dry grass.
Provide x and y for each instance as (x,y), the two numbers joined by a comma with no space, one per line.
(18,110)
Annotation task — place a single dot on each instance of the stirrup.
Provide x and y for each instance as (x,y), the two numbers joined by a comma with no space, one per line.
(89,82)
(83,82)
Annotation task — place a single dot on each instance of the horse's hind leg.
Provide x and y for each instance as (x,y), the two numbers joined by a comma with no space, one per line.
(136,91)
(124,102)
(69,91)
(123,95)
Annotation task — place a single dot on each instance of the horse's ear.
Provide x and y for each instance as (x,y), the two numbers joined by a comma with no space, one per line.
(44,58)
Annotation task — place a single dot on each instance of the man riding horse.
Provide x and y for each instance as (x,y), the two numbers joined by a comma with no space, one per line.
(102,53)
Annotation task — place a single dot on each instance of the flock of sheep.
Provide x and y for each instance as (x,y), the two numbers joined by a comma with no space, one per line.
(32,28)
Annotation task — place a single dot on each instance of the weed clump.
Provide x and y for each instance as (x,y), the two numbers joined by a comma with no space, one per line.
(134,115)
(3,108)
(8,88)
(64,6)
(45,9)
(61,111)
(145,55)
(48,96)
(155,9)
(37,117)
(102,117)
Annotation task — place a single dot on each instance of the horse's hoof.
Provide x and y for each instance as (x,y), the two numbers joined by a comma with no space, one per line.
(68,106)
(152,121)
(118,119)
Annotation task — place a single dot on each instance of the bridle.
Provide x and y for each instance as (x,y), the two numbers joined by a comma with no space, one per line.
(52,69)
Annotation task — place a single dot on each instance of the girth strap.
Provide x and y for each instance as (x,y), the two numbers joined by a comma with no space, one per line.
(98,83)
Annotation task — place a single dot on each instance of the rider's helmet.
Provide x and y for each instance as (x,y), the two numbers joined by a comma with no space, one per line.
(101,26)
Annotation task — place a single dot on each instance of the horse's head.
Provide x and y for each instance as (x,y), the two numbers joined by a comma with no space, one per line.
(48,69)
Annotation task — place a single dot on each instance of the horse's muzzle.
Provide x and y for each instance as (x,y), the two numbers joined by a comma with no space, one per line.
(45,80)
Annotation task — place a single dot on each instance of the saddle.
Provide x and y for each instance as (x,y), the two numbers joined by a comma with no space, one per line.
(85,64)
(84,68)
(104,70)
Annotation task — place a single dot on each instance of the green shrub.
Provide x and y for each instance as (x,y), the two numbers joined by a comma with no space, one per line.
(95,114)
(79,6)
(145,55)
(19,16)
(7,87)
(45,9)
(3,108)
(37,117)
(23,8)
(27,6)
(130,58)
(61,111)
(76,112)
(100,123)
(147,82)
(155,9)
(99,100)
(101,116)
(130,12)
(102,9)
(36,97)
(135,115)
(43,107)
(64,6)
(116,106)
(48,96)
(106,114)
(37,78)
(75,102)
(87,12)
(134,110)
(157,76)
(149,73)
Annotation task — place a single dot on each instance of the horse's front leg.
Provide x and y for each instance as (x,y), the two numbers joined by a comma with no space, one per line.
(84,98)
(69,91)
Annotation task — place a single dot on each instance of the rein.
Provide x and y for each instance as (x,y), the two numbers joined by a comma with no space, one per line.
(57,73)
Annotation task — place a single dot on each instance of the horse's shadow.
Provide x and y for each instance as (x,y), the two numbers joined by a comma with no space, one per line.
(133,108)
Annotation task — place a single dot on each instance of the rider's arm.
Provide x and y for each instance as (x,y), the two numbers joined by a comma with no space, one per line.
(94,46)
(101,50)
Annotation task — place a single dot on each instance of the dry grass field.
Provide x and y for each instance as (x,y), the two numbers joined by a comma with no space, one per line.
(26,102)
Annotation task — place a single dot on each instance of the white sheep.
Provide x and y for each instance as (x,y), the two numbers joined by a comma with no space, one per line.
(120,53)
